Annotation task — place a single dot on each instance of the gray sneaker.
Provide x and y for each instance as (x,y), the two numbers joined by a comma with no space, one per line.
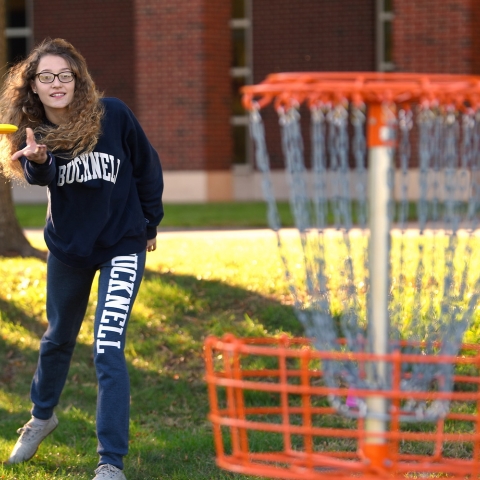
(31,435)
(109,472)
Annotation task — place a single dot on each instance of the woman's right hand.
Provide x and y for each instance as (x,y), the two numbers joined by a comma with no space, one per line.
(33,151)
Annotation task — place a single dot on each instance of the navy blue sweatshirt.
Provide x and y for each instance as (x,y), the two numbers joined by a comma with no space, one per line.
(104,203)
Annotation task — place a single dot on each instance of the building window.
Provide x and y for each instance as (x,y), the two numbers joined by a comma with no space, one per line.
(241,74)
(18,31)
(384,41)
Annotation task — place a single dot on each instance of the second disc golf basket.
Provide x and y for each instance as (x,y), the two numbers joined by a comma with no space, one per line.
(385,195)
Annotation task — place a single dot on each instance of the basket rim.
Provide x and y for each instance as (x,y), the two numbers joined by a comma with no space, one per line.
(362,87)
(299,347)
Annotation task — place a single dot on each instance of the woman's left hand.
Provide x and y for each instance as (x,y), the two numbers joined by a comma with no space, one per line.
(151,245)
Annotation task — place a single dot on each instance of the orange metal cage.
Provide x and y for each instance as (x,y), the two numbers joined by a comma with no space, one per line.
(271,416)
(269,402)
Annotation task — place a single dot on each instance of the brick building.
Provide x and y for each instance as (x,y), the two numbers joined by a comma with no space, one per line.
(179,64)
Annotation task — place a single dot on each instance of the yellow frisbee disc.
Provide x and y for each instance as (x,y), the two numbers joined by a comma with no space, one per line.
(7,128)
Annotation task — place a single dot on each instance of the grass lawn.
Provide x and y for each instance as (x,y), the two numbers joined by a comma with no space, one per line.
(198,215)
(194,286)
(195,215)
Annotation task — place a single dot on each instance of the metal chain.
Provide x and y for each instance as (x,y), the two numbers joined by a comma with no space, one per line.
(257,132)
(449,197)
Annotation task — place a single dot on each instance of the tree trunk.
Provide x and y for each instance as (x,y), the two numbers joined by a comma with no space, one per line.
(13,242)
(12,239)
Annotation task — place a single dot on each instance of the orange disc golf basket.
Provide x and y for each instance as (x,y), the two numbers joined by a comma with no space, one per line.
(383,385)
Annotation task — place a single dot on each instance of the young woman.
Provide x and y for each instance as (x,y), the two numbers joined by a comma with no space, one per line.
(105,186)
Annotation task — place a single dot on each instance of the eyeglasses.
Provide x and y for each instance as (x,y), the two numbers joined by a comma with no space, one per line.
(47,77)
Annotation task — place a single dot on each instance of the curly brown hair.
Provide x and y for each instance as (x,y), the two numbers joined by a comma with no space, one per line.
(20,107)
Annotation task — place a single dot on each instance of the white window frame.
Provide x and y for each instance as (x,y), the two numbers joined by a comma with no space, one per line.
(246,71)
(26,31)
(381,18)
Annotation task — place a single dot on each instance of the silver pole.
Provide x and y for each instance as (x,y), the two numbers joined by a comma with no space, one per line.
(380,163)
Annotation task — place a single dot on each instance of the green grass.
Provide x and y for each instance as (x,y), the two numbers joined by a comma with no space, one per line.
(31,215)
(200,215)
(195,285)
(234,215)
(194,215)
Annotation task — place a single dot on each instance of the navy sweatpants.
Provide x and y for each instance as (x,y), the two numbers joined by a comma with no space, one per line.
(68,290)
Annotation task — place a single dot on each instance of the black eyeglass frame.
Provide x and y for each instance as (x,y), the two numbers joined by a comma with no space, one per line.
(56,75)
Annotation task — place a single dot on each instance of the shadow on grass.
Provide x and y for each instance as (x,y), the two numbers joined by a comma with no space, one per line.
(171,318)
(15,356)
(15,314)
(209,299)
